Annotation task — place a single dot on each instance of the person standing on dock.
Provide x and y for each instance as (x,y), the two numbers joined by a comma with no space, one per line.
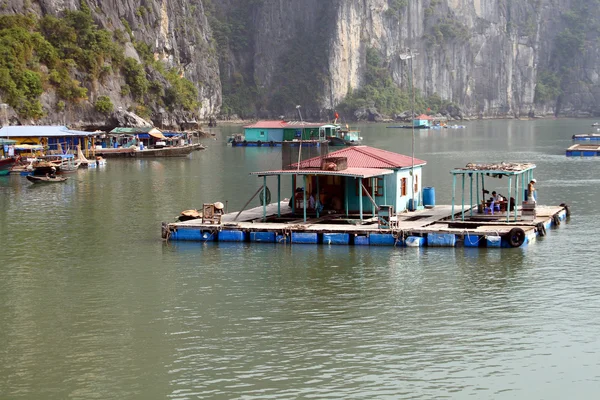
(531,191)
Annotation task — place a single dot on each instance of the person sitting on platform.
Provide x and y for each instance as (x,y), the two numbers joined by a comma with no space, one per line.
(531,191)
(311,202)
(497,197)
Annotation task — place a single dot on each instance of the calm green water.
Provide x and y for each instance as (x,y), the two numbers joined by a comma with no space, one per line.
(93,305)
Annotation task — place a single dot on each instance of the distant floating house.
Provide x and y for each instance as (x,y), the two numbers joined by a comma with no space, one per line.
(147,136)
(53,138)
(423,121)
(274,133)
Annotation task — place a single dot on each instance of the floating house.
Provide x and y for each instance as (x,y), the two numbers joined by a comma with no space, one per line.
(356,180)
(360,196)
(275,133)
(423,121)
(53,138)
(145,136)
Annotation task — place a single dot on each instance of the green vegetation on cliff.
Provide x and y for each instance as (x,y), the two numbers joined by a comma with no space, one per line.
(70,55)
(382,93)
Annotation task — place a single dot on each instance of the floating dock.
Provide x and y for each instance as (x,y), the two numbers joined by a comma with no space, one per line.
(429,227)
(587,136)
(583,150)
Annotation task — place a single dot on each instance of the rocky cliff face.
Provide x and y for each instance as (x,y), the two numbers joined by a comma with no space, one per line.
(492,58)
(484,55)
(177,32)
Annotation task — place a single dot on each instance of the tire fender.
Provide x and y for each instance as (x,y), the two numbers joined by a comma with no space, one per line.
(556,219)
(541,228)
(516,237)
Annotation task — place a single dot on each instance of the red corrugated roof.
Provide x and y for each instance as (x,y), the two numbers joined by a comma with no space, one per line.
(424,116)
(268,125)
(366,157)
(353,172)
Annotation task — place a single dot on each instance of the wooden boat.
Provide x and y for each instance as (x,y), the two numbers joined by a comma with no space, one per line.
(45,179)
(169,151)
(6,164)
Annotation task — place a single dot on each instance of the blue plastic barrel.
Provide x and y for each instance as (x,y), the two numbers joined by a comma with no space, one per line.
(429,197)
(412,204)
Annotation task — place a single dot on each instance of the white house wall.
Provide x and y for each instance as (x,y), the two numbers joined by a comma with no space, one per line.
(402,201)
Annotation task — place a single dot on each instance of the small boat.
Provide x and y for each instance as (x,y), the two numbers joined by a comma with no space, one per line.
(45,179)
(6,164)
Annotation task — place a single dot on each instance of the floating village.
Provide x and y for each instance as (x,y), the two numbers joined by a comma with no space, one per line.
(357,195)
(45,153)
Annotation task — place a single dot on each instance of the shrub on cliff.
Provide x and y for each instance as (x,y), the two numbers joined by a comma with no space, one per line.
(103,105)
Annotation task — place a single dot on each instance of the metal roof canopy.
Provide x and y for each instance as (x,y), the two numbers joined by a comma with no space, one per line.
(510,170)
(40,131)
(350,172)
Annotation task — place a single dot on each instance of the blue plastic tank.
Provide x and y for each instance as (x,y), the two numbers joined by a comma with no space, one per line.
(429,197)
(412,204)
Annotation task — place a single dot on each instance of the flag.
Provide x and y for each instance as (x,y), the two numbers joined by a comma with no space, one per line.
(336,115)
(428,109)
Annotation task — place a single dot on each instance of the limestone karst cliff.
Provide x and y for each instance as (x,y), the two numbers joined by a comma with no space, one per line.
(486,56)
(260,58)
(171,40)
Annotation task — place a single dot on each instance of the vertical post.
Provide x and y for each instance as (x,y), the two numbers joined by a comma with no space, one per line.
(346,189)
(509,187)
(477,188)
(384,191)
(293,194)
(304,194)
(412,110)
(471,192)
(482,185)
(279,195)
(264,196)
(453,193)
(373,183)
(463,197)
(517,195)
(360,198)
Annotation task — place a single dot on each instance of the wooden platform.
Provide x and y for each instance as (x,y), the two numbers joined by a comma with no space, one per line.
(422,224)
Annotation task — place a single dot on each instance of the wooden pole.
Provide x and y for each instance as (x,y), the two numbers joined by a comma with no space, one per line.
(264,196)
(248,202)
(360,199)
(375,206)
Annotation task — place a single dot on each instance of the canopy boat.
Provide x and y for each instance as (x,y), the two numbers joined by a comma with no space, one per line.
(45,179)
(63,164)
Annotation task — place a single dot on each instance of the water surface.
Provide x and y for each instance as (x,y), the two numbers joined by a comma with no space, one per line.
(93,305)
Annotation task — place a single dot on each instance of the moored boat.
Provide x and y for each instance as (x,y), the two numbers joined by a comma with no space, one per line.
(6,164)
(46,179)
